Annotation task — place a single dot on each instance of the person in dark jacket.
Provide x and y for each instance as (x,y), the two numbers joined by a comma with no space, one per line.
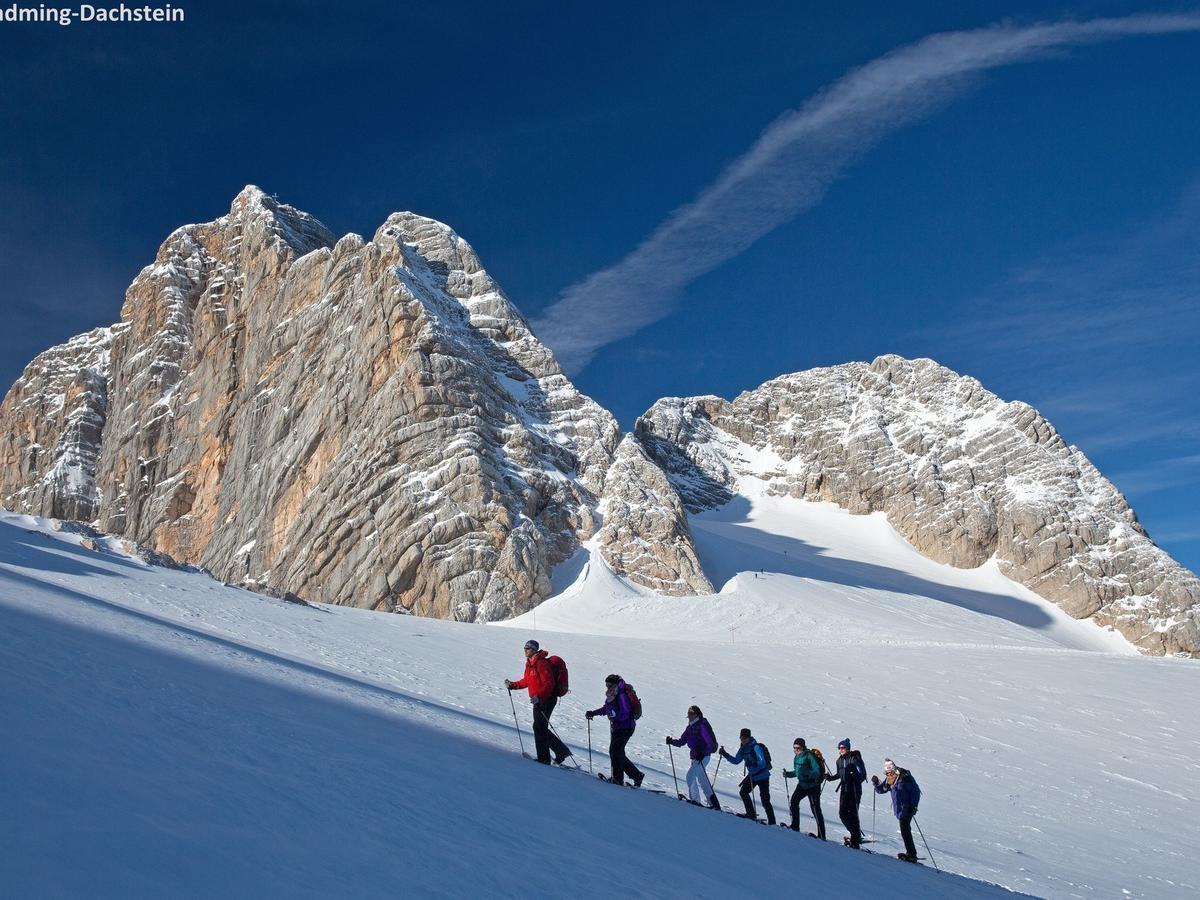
(540,680)
(758,772)
(809,775)
(619,709)
(905,797)
(851,773)
(701,742)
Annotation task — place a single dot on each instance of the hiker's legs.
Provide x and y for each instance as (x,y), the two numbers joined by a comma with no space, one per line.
(747,788)
(555,746)
(814,802)
(764,791)
(621,766)
(906,832)
(848,813)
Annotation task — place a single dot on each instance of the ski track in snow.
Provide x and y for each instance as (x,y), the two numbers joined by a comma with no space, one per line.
(178,737)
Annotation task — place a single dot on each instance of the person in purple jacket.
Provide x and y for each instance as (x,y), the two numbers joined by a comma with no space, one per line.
(701,743)
(621,722)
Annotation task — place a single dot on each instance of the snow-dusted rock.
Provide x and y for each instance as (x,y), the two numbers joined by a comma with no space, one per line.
(52,419)
(645,535)
(360,422)
(962,474)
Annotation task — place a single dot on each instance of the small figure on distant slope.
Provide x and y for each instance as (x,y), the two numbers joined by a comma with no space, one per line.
(623,708)
(702,744)
(809,772)
(906,794)
(758,772)
(546,679)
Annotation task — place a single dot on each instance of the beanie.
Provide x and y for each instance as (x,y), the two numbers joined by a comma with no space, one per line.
(844,742)
(532,645)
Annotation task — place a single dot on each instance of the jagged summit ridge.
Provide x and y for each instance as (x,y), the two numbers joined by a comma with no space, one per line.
(962,474)
(361,422)
(372,422)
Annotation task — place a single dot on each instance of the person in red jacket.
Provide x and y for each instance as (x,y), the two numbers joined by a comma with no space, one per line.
(540,681)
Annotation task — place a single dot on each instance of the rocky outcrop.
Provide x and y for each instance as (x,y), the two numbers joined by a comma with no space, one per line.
(645,534)
(959,472)
(359,422)
(52,421)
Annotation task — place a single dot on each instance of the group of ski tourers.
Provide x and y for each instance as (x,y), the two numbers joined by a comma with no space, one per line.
(546,680)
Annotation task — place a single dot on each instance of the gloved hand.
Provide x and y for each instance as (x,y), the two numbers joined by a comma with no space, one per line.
(508,683)
(721,749)
(829,776)
(875,780)
(668,739)
(588,714)
(787,773)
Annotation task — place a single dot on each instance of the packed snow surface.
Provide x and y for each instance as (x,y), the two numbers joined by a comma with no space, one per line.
(170,736)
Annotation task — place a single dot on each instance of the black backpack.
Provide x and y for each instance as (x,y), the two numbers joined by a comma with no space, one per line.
(857,767)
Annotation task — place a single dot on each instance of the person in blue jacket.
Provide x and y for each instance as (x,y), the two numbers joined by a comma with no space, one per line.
(758,772)
(905,797)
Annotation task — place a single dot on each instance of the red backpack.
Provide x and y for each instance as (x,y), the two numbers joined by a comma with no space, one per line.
(635,702)
(561,681)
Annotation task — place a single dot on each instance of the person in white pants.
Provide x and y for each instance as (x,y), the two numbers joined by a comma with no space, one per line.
(701,742)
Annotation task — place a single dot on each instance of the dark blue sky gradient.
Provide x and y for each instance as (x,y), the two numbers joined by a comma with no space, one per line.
(1038,233)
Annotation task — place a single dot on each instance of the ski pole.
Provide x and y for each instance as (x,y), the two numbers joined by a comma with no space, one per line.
(926,843)
(874,794)
(671,753)
(515,722)
(590,771)
(554,731)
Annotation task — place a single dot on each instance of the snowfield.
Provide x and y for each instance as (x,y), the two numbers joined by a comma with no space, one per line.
(166,735)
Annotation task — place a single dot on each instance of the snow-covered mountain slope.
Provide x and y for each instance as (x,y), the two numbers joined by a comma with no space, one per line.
(176,736)
(963,475)
(802,574)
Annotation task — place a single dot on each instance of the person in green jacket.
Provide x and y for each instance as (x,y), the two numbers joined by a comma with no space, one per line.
(809,777)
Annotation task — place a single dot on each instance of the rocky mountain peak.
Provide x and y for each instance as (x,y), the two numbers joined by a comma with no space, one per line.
(373,423)
(962,474)
(360,422)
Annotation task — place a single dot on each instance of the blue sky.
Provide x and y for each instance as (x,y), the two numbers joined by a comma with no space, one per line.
(1034,225)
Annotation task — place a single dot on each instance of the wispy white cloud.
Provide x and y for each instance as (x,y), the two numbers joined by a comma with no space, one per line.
(1177,536)
(1159,475)
(1137,289)
(792,165)
(1100,335)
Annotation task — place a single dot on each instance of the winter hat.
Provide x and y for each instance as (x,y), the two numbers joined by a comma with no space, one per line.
(533,645)
(612,679)
(844,742)
(889,766)
(695,711)
(801,742)
(745,733)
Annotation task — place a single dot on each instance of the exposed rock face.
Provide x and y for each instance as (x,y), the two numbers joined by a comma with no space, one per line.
(645,534)
(360,422)
(52,421)
(962,474)
(373,423)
